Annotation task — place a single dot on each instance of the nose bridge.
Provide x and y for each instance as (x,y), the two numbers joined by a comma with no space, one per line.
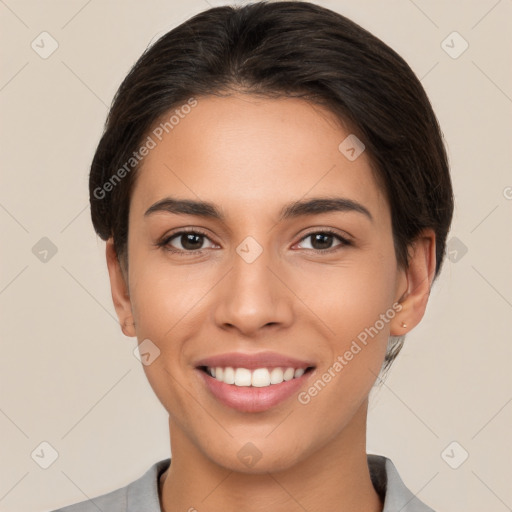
(252,296)
(251,266)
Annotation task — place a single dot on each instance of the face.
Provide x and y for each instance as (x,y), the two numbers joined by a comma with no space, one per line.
(253,276)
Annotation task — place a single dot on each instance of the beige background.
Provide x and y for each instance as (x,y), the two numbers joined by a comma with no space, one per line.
(68,376)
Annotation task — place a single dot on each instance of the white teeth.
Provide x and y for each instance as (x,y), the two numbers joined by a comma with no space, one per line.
(242,377)
(288,374)
(276,376)
(259,377)
(229,375)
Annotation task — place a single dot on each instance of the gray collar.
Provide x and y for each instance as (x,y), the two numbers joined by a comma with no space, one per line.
(390,487)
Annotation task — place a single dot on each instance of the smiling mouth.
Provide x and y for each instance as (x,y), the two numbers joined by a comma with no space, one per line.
(257,377)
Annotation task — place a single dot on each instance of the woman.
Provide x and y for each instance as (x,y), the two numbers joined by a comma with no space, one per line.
(275,197)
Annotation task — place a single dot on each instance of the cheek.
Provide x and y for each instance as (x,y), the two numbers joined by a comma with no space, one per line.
(164,295)
(348,297)
(359,316)
(356,304)
(164,302)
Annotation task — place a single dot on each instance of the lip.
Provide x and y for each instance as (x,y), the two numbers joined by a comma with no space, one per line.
(253,399)
(253,361)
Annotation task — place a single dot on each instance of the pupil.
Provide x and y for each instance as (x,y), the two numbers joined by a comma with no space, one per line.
(190,238)
(322,237)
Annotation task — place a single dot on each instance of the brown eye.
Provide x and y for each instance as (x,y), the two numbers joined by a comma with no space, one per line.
(190,241)
(185,242)
(321,241)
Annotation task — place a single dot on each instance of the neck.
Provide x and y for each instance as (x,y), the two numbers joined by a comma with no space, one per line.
(334,478)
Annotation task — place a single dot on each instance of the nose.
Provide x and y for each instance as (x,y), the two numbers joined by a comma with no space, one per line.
(253,295)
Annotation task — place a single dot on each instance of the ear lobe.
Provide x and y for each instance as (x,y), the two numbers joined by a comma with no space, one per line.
(119,290)
(420,274)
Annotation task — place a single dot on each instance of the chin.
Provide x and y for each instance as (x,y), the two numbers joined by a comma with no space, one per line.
(250,460)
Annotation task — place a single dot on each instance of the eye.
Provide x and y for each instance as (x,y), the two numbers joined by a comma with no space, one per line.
(322,240)
(191,241)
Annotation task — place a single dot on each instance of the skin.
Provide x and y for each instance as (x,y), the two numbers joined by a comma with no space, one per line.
(250,156)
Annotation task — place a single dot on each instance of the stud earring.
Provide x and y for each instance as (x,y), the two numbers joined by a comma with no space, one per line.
(404,325)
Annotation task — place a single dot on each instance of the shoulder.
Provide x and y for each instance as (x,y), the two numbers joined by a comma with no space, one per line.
(114,501)
(140,494)
(388,483)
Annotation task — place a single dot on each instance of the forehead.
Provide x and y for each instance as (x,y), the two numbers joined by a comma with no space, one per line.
(247,153)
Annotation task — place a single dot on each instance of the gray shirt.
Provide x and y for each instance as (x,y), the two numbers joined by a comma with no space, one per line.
(142,494)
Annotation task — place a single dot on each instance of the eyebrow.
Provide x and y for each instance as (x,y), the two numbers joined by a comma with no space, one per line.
(314,206)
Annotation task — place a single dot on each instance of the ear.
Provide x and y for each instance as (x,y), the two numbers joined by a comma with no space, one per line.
(120,291)
(413,297)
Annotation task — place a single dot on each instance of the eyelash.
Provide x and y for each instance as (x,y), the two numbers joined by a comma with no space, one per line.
(164,243)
